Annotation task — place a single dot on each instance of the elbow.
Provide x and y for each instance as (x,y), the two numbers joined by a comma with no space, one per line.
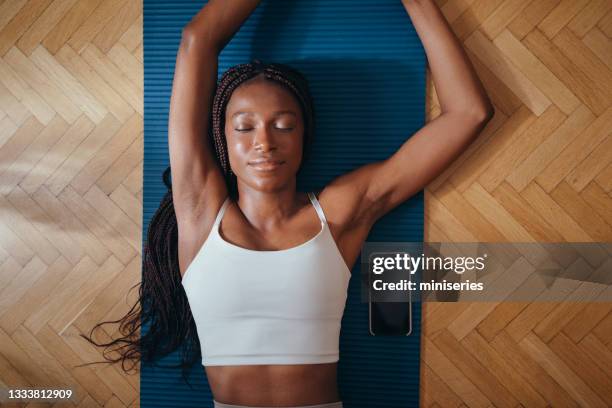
(192,36)
(187,33)
(489,110)
(484,113)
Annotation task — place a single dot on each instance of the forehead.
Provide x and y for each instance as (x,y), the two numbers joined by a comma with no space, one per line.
(262,96)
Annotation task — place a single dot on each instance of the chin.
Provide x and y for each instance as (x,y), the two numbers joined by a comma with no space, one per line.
(267,184)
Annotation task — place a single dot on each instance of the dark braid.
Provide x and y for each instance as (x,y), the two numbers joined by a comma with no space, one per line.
(162,303)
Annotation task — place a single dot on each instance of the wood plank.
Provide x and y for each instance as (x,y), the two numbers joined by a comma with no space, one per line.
(591,166)
(495,391)
(563,374)
(550,148)
(97,279)
(12,174)
(99,227)
(588,17)
(128,64)
(21,284)
(45,225)
(17,313)
(537,72)
(502,16)
(8,10)
(604,179)
(496,214)
(97,20)
(65,220)
(566,69)
(599,44)
(603,331)
(499,367)
(20,23)
(581,325)
(94,83)
(455,203)
(586,61)
(132,37)
(113,76)
(25,95)
(498,287)
(84,152)
(43,25)
(580,210)
(576,151)
(43,85)
(453,377)
(524,144)
(86,376)
(116,217)
(103,160)
(434,389)
(117,25)
(597,351)
(499,64)
(27,368)
(128,203)
(528,367)
(549,209)
(51,161)
(105,301)
(531,16)
(13,108)
(598,200)
(94,110)
(122,166)
(605,24)
(69,23)
(473,17)
(560,16)
(503,139)
(499,318)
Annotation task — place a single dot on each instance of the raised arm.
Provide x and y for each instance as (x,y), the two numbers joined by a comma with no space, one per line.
(374,189)
(196,177)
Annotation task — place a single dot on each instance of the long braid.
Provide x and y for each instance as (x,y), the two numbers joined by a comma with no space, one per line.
(162,303)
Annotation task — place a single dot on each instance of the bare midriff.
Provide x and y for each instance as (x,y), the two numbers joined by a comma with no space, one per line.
(274,385)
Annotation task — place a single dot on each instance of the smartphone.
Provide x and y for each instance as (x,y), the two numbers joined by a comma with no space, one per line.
(390,318)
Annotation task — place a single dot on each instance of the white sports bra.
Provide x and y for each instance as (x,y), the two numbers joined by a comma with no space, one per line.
(268,307)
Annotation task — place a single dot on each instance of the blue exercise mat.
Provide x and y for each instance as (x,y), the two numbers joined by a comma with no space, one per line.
(366,68)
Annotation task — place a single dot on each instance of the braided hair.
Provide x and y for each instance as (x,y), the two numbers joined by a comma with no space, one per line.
(162,304)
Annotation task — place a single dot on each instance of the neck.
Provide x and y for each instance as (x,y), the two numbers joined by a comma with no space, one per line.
(267,209)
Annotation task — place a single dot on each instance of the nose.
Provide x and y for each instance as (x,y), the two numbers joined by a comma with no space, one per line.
(264,140)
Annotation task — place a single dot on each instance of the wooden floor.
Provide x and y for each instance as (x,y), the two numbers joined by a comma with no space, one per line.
(71,150)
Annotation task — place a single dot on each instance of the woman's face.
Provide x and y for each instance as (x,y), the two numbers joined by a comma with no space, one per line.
(264,129)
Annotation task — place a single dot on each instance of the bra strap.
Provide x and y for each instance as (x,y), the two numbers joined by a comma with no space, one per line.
(221,211)
(317,206)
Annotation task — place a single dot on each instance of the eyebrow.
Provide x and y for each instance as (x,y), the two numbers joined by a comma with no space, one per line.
(276,113)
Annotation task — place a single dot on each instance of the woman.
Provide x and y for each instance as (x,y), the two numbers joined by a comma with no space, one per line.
(264,267)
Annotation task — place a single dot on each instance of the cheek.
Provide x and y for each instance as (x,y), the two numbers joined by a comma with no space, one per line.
(295,146)
(238,147)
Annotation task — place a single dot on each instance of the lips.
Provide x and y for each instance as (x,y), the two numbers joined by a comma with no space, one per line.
(265,164)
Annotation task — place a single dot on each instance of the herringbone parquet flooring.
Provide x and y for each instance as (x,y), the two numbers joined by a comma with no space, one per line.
(71,138)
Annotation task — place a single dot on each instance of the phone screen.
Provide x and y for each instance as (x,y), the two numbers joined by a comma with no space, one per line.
(390,318)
